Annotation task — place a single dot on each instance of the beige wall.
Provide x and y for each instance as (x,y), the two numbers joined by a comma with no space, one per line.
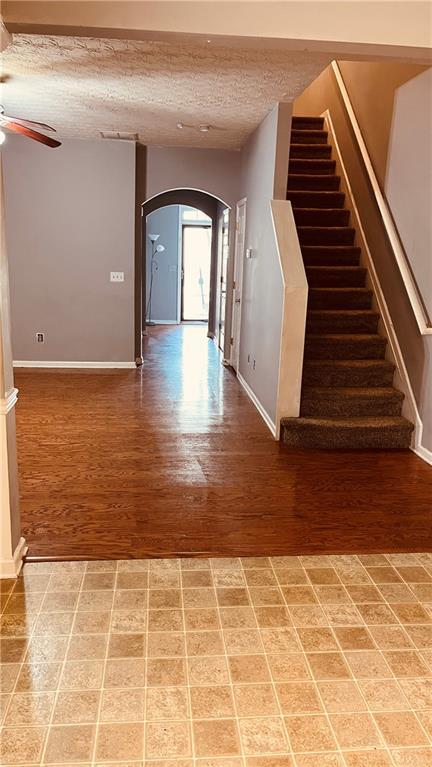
(263,177)
(70,221)
(324,94)
(372,87)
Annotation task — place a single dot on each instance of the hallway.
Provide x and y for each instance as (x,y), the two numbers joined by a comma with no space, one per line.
(173,459)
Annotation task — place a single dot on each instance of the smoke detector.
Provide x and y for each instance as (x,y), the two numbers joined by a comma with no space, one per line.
(119,135)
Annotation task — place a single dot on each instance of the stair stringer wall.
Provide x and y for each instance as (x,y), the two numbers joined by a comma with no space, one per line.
(386,327)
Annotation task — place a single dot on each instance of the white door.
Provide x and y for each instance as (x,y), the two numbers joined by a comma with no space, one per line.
(239,248)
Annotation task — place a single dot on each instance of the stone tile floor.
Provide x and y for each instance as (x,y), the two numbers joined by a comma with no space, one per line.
(254,662)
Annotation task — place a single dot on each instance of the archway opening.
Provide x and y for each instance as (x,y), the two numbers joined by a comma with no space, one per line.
(185,248)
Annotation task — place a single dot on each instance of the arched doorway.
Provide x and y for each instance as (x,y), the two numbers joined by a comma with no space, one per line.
(218,213)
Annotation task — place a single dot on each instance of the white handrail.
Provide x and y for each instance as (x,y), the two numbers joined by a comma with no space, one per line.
(423,320)
(294,309)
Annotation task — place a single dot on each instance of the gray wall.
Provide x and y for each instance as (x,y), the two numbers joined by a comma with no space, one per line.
(264,175)
(69,222)
(165,222)
(216,171)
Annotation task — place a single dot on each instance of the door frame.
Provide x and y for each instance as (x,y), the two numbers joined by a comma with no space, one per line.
(237,286)
(182,227)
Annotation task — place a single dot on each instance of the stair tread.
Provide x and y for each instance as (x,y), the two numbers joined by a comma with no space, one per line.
(344,312)
(319,227)
(352,363)
(321,211)
(337,392)
(312,175)
(336,268)
(343,290)
(352,422)
(347,337)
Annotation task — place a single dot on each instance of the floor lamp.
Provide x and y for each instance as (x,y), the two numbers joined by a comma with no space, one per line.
(153,268)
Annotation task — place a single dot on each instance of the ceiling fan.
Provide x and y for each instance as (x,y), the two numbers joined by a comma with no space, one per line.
(24,127)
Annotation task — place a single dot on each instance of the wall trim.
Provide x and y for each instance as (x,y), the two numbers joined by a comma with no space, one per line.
(423,453)
(8,402)
(10,568)
(262,411)
(68,364)
(163,322)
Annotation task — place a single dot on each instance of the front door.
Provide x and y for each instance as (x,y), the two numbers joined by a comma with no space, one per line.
(196,259)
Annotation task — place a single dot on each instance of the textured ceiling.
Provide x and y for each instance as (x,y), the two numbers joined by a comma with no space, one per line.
(83,85)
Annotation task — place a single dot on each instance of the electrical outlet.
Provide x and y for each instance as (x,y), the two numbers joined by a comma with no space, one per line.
(116,276)
(40,338)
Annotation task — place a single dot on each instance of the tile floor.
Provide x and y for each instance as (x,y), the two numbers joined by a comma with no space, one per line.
(253,662)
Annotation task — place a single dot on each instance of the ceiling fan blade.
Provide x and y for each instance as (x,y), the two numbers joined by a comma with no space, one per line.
(21,120)
(47,140)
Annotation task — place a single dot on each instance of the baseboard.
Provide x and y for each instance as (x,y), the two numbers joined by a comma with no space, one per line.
(68,364)
(10,568)
(252,396)
(423,453)
(163,322)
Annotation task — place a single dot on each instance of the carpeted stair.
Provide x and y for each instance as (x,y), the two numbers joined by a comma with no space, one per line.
(348,399)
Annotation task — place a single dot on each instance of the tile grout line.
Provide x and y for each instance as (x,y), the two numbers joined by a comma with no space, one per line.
(186,662)
(272,682)
(28,638)
(339,750)
(231,684)
(44,751)
(102,682)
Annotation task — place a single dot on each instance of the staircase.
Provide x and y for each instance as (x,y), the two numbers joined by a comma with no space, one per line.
(348,399)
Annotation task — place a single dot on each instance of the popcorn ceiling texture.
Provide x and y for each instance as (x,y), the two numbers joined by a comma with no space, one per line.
(84,85)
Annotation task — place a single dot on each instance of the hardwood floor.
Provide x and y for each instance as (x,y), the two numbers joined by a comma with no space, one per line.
(173,459)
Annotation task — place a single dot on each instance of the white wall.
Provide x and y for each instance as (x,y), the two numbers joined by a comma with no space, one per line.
(69,222)
(164,222)
(263,177)
(215,171)
(409,176)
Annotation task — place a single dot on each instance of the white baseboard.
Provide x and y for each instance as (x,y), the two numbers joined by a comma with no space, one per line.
(163,322)
(64,364)
(10,568)
(423,453)
(252,396)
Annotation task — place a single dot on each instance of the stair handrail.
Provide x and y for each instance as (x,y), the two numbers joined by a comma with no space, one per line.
(418,306)
(295,298)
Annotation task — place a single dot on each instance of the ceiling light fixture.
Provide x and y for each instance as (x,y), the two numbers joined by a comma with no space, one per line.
(204,128)
(180,126)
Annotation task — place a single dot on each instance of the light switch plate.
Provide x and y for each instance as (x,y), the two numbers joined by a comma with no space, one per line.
(116,276)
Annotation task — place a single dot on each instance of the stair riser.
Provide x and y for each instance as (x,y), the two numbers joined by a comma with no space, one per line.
(305,199)
(324,376)
(346,408)
(332,217)
(343,235)
(345,349)
(309,136)
(312,167)
(313,183)
(310,151)
(366,439)
(342,324)
(314,255)
(351,299)
(307,123)
(354,277)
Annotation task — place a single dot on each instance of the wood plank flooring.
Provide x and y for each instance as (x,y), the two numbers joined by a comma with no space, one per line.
(173,459)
